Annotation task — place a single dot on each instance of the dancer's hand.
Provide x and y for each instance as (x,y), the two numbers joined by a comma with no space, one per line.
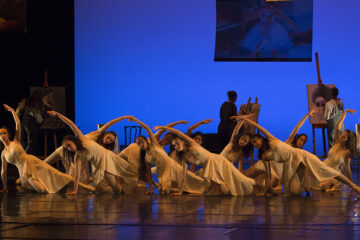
(8,108)
(4,190)
(130,118)
(183,122)
(71,193)
(207,121)
(313,111)
(52,113)
(351,111)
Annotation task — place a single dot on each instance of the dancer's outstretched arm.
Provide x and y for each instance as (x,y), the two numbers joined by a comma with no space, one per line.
(54,157)
(260,128)
(236,130)
(340,122)
(106,126)
(68,122)
(299,125)
(77,159)
(196,125)
(178,133)
(146,127)
(3,173)
(268,176)
(159,133)
(183,179)
(149,177)
(17,123)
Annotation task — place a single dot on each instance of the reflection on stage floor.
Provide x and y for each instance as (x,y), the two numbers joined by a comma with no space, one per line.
(29,215)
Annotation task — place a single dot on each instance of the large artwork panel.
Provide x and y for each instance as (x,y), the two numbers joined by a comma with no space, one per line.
(259,30)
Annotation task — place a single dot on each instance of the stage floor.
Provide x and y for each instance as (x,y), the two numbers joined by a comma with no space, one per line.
(28,215)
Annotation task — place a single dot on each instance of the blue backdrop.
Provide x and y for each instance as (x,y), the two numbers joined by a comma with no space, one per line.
(154,60)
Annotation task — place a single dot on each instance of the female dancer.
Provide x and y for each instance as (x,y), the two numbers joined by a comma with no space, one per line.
(34,173)
(220,175)
(107,139)
(169,172)
(107,166)
(302,170)
(257,171)
(340,154)
(197,136)
(239,145)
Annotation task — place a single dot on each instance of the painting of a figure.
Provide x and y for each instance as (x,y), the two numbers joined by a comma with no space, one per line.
(12,16)
(54,100)
(318,95)
(264,30)
(357,130)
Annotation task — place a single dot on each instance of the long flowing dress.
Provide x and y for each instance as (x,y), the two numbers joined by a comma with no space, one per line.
(30,166)
(69,165)
(169,172)
(221,171)
(316,171)
(103,160)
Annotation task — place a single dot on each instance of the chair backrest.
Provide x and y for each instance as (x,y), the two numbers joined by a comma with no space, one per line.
(131,133)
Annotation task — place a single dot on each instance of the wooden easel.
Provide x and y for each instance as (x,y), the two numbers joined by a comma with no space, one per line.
(321,126)
(246,109)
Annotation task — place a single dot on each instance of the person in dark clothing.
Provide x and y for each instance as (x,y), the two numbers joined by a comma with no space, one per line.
(226,126)
(30,110)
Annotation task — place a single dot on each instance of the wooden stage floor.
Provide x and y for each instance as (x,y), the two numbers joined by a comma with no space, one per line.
(28,215)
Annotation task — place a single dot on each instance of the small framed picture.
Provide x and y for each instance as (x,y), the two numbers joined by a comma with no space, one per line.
(13,16)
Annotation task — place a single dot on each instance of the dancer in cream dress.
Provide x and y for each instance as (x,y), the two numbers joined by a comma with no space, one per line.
(220,175)
(101,136)
(302,170)
(197,136)
(257,171)
(239,145)
(106,165)
(341,153)
(34,173)
(170,173)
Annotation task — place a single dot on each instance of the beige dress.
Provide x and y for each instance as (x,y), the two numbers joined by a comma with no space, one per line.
(30,166)
(131,154)
(170,172)
(103,160)
(69,165)
(315,170)
(221,171)
(336,158)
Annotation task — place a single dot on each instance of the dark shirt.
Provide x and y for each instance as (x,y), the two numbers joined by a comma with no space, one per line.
(227,110)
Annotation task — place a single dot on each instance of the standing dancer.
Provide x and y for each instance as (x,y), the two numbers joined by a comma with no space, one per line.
(34,173)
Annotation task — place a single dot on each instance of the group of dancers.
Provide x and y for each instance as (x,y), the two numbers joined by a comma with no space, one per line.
(281,164)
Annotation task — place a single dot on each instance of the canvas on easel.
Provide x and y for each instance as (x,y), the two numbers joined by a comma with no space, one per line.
(317,96)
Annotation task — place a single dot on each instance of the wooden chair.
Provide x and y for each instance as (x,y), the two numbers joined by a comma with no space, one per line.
(131,133)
